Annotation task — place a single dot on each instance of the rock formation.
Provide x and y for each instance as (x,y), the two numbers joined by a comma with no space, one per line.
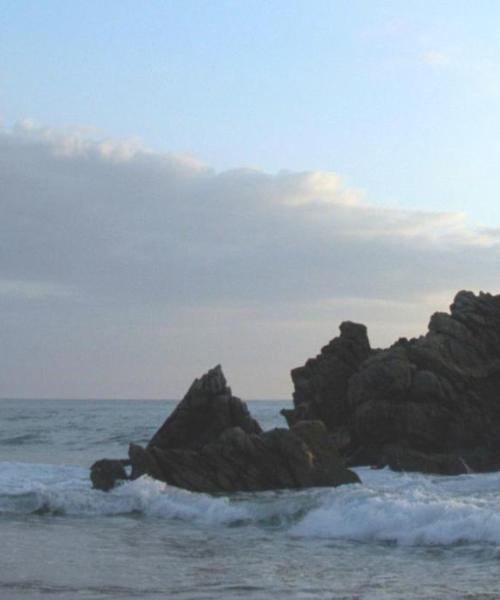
(210,443)
(429,404)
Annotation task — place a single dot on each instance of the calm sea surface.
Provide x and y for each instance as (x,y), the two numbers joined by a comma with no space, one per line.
(395,536)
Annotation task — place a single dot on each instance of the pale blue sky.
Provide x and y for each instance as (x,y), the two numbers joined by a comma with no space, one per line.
(126,272)
(401,98)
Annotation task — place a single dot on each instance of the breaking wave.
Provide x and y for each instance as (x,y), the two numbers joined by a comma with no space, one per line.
(389,507)
(410,510)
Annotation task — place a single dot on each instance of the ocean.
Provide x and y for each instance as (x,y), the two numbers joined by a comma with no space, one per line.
(396,536)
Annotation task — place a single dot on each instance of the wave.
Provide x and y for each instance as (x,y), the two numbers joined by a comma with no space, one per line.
(407,509)
(49,489)
(412,510)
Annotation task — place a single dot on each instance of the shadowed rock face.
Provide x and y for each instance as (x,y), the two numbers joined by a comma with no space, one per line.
(438,394)
(321,385)
(206,411)
(210,443)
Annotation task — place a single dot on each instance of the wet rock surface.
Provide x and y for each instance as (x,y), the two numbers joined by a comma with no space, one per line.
(436,398)
(210,443)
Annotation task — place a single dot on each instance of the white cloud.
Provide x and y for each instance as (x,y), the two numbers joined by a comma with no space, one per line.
(101,236)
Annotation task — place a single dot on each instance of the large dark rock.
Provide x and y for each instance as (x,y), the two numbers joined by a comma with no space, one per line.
(437,395)
(208,409)
(321,385)
(210,443)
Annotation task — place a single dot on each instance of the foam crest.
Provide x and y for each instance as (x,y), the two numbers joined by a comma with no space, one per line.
(66,490)
(409,510)
(389,507)
(155,498)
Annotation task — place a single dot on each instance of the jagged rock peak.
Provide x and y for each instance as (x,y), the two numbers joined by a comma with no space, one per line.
(207,409)
(355,331)
(467,299)
(466,304)
(213,382)
(351,345)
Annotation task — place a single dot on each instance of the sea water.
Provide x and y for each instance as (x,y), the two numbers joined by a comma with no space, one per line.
(395,536)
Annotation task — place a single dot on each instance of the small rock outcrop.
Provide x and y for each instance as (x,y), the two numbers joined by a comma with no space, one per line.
(210,443)
(430,404)
(105,473)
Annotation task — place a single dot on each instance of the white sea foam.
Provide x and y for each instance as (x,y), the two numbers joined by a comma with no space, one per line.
(29,488)
(409,509)
(405,509)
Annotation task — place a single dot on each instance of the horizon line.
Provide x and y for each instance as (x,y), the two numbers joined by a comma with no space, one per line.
(61,399)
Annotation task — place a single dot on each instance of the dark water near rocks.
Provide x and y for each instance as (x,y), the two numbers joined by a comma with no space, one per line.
(396,536)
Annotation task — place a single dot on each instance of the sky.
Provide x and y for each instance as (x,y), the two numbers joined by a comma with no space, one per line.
(190,183)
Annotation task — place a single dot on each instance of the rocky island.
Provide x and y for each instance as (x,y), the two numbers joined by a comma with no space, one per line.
(429,404)
(210,443)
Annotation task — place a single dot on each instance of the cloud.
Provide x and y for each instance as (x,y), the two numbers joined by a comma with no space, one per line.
(96,233)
